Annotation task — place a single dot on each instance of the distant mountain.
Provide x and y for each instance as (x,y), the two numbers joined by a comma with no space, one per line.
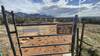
(25,15)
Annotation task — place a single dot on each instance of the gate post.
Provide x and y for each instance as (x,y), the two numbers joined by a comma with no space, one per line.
(13,19)
(74,30)
(8,30)
(81,43)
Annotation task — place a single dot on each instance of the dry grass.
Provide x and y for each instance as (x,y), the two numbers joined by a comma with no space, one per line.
(43,30)
(92,36)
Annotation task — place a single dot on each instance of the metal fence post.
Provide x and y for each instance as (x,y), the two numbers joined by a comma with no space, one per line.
(13,18)
(77,47)
(74,29)
(8,30)
(81,43)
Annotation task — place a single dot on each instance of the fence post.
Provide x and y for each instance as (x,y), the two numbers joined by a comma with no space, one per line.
(13,19)
(74,29)
(8,30)
(77,47)
(81,44)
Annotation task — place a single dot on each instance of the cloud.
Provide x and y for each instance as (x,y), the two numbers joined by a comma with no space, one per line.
(28,6)
(51,7)
(20,5)
(93,11)
(48,2)
(57,11)
(63,11)
(90,5)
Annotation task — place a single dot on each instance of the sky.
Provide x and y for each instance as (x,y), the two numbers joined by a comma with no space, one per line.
(57,8)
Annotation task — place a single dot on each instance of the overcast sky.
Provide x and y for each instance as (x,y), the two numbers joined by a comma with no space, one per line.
(59,8)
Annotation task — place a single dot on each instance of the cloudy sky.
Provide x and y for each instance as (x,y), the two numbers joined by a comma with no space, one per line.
(58,8)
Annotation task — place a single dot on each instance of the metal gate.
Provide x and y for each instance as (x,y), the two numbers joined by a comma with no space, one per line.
(75,46)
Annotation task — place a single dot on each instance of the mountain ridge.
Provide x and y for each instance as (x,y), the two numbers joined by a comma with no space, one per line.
(36,15)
